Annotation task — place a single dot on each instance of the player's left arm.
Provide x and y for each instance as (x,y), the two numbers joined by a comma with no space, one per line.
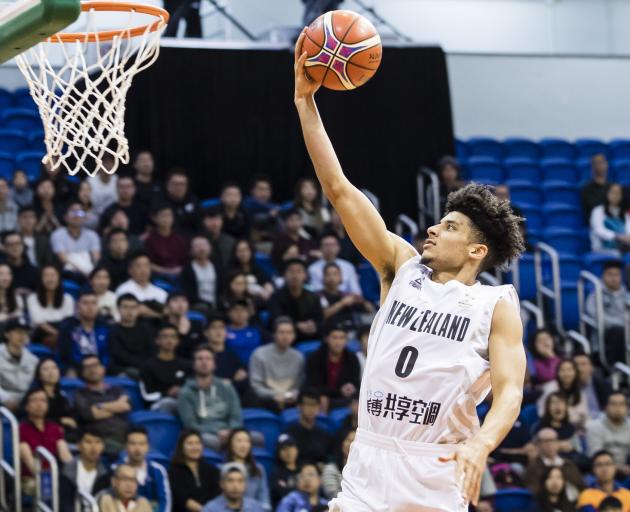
(507,373)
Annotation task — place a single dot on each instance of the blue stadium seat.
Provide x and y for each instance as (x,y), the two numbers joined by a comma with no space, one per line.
(159,457)
(266,422)
(197,317)
(31,163)
(163,429)
(461,150)
(570,308)
(562,215)
(524,169)
(485,146)
(39,350)
(71,287)
(562,193)
(524,193)
(534,236)
(619,148)
(265,459)
(369,282)
(527,277)
(6,99)
(353,346)
(212,457)
(589,147)
(529,415)
(7,164)
(165,285)
(264,262)
(292,415)
(594,262)
(36,141)
(533,216)
(565,239)
(131,388)
(570,267)
(23,99)
(306,347)
(485,169)
(338,416)
(584,169)
(22,119)
(557,148)
(559,169)
(69,385)
(208,203)
(512,500)
(7,442)
(482,410)
(13,141)
(521,148)
(620,171)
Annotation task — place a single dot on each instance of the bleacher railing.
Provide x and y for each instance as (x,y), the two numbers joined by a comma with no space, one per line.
(373,198)
(6,468)
(42,485)
(542,290)
(619,370)
(596,321)
(428,211)
(85,502)
(533,309)
(405,224)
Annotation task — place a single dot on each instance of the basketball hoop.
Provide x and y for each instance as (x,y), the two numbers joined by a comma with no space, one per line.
(82,102)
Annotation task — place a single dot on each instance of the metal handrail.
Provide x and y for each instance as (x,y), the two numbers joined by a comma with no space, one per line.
(89,502)
(516,274)
(543,290)
(575,338)
(14,471)
(489,279)
(373,198)
(615,376)
(595,322)
(536,311)
(40,504)
(423,210)
(404,221)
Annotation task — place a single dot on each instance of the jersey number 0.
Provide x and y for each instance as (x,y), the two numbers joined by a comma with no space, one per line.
(406,361)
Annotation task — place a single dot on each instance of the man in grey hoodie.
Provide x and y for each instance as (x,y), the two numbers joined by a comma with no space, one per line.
(208,404)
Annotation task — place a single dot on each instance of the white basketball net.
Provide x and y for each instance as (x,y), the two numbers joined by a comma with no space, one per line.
(82,102)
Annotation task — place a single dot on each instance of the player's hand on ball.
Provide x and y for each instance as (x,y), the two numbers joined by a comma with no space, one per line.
(471,460)
(304,86)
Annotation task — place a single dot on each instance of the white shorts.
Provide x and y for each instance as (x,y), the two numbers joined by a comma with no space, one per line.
(384,474)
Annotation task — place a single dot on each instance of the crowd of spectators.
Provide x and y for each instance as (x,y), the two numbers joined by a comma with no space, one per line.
(128,275)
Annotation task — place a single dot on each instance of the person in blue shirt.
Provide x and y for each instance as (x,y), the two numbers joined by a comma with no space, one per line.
(308,496)
(82,335)
(242,337)
(232,499)
(152,478)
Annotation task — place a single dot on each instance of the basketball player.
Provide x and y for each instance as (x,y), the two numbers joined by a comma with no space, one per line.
(438,343)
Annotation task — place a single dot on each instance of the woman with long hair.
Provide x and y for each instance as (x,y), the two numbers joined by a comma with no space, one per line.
(556,416)
(567,383)
(258,284)
(236,289)
(100,280)
(542,349)
(47,377)
(553,495)
(610,223)
(48,212)
(48,306)
(308,201)
(10,304)
(84,195)
(193,481)
(239,449)
(331,474)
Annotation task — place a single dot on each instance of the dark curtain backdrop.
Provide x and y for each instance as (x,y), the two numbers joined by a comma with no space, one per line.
(228,114)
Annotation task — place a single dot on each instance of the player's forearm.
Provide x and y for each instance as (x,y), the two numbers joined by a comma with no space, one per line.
(320,148)
(500,418)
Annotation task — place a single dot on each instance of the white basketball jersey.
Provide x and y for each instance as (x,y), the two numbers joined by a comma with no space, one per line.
(427,366)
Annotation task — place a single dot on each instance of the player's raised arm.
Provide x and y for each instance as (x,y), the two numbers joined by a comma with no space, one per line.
(362,221)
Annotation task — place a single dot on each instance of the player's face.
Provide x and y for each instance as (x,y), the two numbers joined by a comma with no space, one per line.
(449,245)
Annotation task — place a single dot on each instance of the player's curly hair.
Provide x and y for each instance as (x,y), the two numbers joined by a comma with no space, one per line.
(493,221)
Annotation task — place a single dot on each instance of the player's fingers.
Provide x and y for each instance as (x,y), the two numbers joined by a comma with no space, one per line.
(299,43)
(470,481)
(476,492)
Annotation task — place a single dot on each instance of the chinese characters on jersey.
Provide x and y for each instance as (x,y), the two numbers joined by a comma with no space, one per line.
(402,408)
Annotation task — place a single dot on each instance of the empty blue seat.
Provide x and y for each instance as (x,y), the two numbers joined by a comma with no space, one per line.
(485,169)
(23,119)
(265,459)
(533,217)
(562,215)
(30,162)
(461,150)
(163,429)
(524,193)
(619,148)
(339,415)
(209,203)
(594,262)
(565,239)
(6,99)
(584,169)
(306,347)
(587,147)
(131,388)
(196,316)
(13,141)
(527,277)
(557,148)
(40,351)
(524,169)
(620,171)
(529,415)
(485,146)
(369,282)
(165,285)
(71,287)
(266,422)
(7,164)
(570,267)
(36,141)
(521,148)
(212,457)
(570,308)
(69,385)
(534,236)
(265,264)
(512,500)
(562,193)
(23,99)
(559,169)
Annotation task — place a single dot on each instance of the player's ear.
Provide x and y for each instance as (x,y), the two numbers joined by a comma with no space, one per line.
(478,251)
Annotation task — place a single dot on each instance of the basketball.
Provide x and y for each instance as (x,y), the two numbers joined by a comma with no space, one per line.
(344,50)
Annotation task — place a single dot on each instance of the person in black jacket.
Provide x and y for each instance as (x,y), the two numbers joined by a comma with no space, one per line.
(199,279)
(595,388)
(131,342)
(194,482)
(333,370)
(285,474)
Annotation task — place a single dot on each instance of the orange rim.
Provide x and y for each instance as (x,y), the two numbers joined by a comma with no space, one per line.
(108,35)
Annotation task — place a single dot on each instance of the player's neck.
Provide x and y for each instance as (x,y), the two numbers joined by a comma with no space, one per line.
(463,275)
